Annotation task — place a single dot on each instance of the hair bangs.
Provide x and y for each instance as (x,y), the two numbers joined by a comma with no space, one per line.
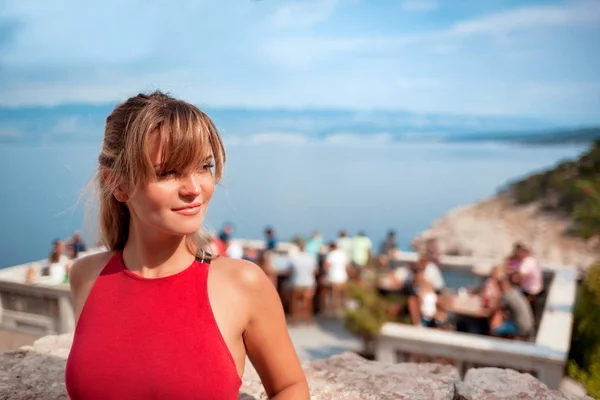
(187,138)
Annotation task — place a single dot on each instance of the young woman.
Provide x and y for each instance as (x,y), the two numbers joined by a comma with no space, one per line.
(157,316)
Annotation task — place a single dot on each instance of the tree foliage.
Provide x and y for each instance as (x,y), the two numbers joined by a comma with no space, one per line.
(584,364)
(572,187)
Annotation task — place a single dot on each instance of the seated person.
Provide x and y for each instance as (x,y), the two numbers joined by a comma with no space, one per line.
(58,265)
(432,251)
(395,260)
(531,277)
(491,294)
(513,260)
(517,311)
(404,283)
(427,304)
(431,271)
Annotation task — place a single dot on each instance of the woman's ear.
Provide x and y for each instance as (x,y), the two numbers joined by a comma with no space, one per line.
(119,191)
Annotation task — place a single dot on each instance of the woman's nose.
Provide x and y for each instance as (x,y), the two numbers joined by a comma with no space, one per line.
(190,186)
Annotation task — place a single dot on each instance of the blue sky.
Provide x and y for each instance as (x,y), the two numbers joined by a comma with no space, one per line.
(474,57)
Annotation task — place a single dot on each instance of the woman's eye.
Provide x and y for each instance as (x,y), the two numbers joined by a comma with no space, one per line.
(166,174)
(208,166)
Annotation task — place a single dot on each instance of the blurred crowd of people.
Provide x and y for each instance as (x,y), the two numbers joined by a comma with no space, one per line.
(59,260)
(508,302)
(313,275)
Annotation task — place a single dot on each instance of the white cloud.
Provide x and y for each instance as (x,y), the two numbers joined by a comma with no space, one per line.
(278,137)
(419,5)
(355,139)
(303,14)
(531,18)
(303,51)
(265,54)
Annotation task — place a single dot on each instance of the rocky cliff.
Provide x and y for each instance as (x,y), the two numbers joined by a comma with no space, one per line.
(488,230)
(37,372)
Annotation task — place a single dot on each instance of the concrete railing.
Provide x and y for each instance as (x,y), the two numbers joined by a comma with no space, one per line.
(38,310)
(546,357)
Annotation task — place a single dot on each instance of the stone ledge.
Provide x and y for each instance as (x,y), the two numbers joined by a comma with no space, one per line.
(38,372)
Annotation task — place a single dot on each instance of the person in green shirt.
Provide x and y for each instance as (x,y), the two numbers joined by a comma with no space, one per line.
(361,250)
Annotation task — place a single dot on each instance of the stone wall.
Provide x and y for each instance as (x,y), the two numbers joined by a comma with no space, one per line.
(37,372)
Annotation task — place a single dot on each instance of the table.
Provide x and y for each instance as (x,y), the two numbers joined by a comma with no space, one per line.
(471,317)
(468,306)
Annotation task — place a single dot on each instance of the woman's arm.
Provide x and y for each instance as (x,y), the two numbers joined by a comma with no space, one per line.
(268,344)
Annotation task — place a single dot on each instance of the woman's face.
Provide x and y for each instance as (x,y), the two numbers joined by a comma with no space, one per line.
(176,201)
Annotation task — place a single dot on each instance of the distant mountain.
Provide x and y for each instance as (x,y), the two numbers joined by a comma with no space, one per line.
(85,123)
(555,136)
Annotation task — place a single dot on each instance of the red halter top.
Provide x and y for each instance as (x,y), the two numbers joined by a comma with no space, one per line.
(140,338)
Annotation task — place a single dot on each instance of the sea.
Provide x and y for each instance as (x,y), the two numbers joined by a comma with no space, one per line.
(294,185)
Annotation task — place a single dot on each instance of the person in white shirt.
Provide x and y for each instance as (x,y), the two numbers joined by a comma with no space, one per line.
(234,249)
(302,282)
(58,264)
(434,275)
(344,243)
(336,277)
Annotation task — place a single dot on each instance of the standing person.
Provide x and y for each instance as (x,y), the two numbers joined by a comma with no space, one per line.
(76,245)
(271,241)
(386,248)
(302,282)
(226,233)
(361,253)
(336,277)
(265,263)
(344,243)
(314,244)
(163,318)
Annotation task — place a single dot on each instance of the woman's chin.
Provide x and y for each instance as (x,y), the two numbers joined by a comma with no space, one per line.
(188,229)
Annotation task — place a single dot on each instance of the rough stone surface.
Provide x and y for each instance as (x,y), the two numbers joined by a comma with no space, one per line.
(28,375)
(500,384)
(489,229)
(37,372)
(349,376)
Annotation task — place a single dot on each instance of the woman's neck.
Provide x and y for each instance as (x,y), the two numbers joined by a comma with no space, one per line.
(153,254)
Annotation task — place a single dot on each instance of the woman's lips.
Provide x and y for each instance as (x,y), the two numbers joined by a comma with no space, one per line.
(192,209)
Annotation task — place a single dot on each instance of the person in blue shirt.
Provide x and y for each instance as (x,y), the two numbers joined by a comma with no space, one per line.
(270,239)
(314,244)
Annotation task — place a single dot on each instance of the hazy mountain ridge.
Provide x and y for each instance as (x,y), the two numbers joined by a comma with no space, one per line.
(85,123)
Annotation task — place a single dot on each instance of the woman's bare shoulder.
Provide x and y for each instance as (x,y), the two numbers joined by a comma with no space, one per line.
(88,268)
(245,275)
(82,276)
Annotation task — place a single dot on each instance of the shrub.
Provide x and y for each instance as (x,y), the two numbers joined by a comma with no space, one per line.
(584,357)
(370,312)
(572,187)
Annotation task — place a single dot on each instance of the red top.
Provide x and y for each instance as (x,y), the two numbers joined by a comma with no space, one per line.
(140,338)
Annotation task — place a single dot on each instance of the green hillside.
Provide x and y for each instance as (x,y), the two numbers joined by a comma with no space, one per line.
(571,188)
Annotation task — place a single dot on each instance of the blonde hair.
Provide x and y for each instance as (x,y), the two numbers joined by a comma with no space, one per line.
(186,136)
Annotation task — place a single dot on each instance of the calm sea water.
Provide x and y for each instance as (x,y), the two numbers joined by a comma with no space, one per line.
(294,187)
